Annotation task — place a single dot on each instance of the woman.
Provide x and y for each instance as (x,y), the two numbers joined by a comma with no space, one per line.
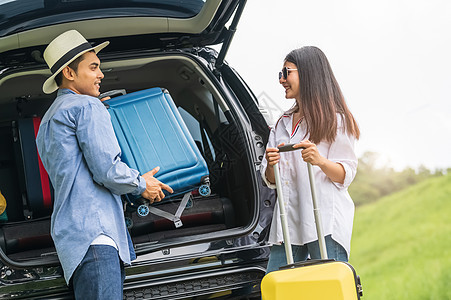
(321,122)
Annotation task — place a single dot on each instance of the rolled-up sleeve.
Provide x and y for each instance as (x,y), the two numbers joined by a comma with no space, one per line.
(342,151)
(102,153)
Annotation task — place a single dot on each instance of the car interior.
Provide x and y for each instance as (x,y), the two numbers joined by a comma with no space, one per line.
(215,128)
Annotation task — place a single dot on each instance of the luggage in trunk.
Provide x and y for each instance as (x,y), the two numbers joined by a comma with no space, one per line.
(27,239)
(151,133)
(35,183)
(201,215)
(23,180)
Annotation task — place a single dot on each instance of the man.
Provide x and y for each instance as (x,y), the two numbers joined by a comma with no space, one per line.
(80,152)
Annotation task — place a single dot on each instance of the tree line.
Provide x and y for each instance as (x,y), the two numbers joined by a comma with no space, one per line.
(373,182)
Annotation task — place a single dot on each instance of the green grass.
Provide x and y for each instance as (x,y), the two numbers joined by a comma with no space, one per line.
(401,244)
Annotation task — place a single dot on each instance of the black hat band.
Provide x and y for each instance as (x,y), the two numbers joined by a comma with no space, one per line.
(69,55)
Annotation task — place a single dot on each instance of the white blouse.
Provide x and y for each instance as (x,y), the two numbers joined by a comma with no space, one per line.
(336,206)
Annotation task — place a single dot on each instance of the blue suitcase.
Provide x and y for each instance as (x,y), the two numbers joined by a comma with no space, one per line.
(151,133)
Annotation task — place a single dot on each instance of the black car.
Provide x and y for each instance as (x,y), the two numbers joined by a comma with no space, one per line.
(153,43)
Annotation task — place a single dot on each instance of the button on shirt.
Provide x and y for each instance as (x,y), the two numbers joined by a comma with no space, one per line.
(80,152)
(336,206)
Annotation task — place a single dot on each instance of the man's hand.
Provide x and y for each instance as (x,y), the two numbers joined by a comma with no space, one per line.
(154,187)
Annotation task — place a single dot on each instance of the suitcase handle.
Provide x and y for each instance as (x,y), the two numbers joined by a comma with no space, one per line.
(283,219)
(316,210)
(288,148)
(112,93)
(310,262)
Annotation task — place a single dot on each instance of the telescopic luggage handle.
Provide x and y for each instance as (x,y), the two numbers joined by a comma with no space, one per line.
(316,210)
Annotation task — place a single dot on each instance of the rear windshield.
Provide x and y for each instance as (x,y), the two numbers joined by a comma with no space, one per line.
(20,15)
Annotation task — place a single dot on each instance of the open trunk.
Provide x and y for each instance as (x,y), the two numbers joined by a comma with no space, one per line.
(229,211)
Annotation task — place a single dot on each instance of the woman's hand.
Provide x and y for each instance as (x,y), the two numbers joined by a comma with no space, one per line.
(272,156)
(310,154)
(335,171)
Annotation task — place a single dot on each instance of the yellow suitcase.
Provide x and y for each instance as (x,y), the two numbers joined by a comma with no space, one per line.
(320,279)
(314,279)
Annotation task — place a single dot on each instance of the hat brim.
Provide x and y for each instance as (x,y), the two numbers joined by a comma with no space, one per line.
(50,84)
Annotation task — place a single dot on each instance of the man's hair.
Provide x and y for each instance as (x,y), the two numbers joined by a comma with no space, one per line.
(73,65)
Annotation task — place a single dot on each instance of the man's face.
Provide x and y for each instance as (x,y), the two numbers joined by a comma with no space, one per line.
(86,80)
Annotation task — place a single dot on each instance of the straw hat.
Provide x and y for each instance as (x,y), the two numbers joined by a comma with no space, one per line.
(64,49)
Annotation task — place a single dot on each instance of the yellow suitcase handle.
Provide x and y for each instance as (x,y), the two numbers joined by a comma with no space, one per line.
(316,210)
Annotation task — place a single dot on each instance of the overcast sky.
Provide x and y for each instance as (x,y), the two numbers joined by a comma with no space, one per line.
(391,59)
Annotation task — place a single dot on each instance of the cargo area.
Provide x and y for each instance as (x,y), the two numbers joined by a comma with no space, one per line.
(227,210)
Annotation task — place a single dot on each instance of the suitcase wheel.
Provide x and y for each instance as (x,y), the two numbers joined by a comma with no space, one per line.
(205,190)
(143,210)
(128,222)
(189,204)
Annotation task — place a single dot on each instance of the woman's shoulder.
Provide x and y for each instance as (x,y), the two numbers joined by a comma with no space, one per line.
(340,120)
(342,127)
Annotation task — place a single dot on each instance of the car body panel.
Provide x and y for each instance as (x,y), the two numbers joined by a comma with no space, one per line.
(115,26)
(146,51)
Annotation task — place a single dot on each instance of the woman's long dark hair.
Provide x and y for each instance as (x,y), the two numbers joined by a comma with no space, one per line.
(321,97)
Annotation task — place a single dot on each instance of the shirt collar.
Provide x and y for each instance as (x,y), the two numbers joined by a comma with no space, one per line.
(65,91)
(287,121)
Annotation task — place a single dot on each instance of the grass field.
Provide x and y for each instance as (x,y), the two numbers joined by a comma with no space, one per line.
(401,244)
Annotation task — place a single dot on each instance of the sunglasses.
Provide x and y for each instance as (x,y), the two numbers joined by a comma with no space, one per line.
(284,72)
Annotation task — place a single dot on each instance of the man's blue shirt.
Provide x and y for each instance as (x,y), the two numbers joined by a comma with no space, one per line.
(80,152)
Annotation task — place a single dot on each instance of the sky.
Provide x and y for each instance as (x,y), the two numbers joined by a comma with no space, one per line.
(392,60)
